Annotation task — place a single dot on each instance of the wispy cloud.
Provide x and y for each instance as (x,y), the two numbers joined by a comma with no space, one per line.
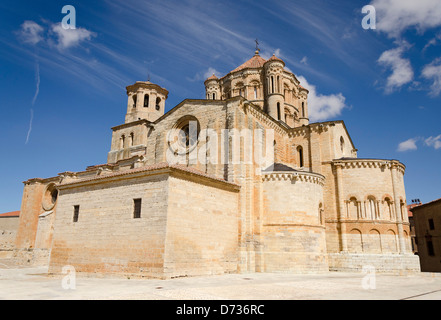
(323,107)
(402,72)
(67,38)
(396,16)
(204,75)
(408,145)
(412,143)
(434,142)
(30,33)
(432,42)
(432,72)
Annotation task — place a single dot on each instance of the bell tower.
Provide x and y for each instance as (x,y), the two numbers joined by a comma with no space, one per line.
(146,100)
(275,99)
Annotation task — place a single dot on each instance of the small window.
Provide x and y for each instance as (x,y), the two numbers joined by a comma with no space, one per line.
(303,109)
(278,111)
(76,213)
(300,156)
(430,250)
(146,101)
(158,101)
(137,208)
(342,144)
(431,224)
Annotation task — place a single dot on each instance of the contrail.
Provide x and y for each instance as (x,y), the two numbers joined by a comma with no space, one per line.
(37,91)
(30,126)
(37,80)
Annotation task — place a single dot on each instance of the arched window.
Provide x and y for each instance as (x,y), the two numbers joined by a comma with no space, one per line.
(387,209)
(255,92)
(131,138)
(214,96)
(272,84)
(158,101)
(135,97)
(146,101)
(278,111)
(353,209)
(278,84)
(122,142)
(342,144)
(300,156)
(372,208)
(303,109)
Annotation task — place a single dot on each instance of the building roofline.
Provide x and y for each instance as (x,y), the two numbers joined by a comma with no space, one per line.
(13,214)
(160,168)
(425,204)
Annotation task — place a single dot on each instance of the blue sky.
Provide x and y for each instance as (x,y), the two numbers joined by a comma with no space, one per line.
(61,92)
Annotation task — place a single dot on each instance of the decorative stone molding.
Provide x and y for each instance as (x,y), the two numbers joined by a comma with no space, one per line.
(294,176)
(369,163)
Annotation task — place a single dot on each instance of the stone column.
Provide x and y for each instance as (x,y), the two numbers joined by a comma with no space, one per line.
(398,209)
(340,205)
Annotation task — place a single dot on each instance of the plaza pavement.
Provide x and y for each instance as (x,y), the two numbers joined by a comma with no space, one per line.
(36,284)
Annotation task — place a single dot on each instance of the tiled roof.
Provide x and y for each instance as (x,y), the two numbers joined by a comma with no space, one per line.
(213,77)
(255,62)
(10,214)
(274,58)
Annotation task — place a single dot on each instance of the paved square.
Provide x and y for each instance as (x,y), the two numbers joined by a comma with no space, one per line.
(34,283)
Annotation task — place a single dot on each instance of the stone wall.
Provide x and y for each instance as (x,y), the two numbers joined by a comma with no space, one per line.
(8,233)
(293,226)
(107,238)
(182,229)
(202,230)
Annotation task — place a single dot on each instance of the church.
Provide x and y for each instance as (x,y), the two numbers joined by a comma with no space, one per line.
(237,182)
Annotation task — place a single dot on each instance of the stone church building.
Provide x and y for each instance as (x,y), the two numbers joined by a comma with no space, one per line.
(315,207)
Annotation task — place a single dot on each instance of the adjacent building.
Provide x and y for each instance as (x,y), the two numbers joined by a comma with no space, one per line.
(427,219)
(8,231)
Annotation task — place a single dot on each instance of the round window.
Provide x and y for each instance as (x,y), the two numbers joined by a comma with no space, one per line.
(184,136)
(50,197)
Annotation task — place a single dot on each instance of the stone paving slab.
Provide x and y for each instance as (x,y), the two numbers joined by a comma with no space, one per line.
(36,284)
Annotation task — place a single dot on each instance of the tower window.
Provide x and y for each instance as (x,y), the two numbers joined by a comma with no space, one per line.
(214,96)
(158,101)
(137,208)
(303,109)
(146,101)
(76,213)
(122,142)
(278,111)
(132,137)
(272,84)
(255,93)
(300,155)
(134,101)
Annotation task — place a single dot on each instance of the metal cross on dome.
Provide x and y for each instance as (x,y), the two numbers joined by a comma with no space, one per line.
(257,45)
